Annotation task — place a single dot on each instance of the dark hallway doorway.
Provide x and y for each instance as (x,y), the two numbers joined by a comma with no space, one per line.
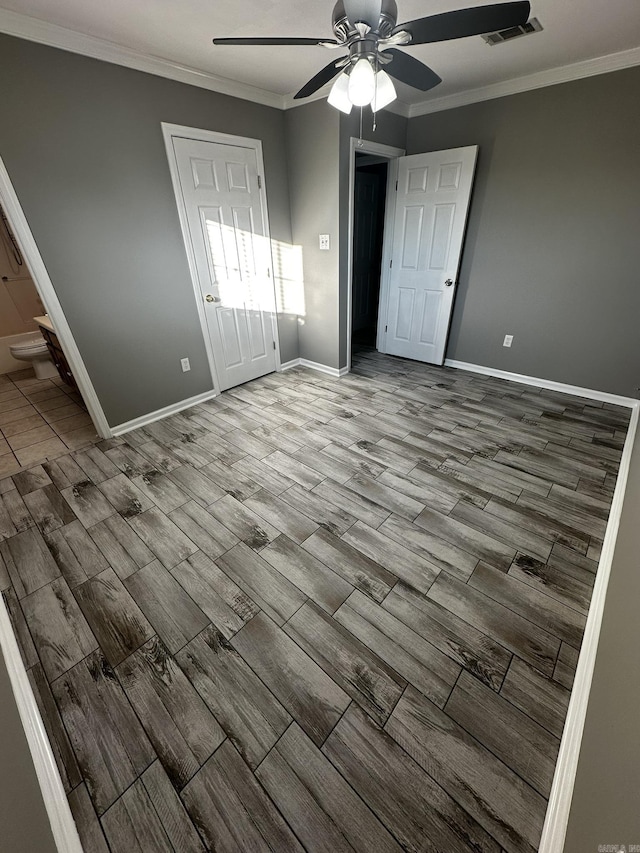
(368,229)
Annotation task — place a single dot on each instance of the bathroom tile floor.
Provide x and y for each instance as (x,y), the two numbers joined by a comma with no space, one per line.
(39,419)
(315,614)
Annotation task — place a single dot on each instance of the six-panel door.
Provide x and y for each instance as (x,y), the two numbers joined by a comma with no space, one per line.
(220,189)
(431,213)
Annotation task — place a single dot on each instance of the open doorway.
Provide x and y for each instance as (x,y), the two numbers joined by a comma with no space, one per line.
(19,299)
(370,191)
(373,169)
(34,291)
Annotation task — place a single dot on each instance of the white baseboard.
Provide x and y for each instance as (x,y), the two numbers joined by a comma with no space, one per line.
(315,365)
(557,817)
(574,390)
(173,409)
(63,826)
(295,362)
(324,368)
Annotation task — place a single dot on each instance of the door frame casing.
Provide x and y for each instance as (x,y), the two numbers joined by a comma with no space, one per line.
(391,154)
(43,284)
(169,131)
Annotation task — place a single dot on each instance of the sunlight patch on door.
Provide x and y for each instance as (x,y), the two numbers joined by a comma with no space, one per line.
(240,263)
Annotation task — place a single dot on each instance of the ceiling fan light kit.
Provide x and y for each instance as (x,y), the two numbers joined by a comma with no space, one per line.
(368,30)
(362,83)
(339,95)
(385,92)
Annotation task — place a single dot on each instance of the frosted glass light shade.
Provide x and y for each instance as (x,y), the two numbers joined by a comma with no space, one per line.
(339,94)
(362,83)
(385,91)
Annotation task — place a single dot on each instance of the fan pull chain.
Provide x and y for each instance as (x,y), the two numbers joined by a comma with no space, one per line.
(361,140)
(375,95)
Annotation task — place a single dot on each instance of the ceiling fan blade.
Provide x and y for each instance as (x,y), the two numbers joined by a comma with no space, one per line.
(363,11)
(409,70)
(322,77)
(276,41)
(466,22)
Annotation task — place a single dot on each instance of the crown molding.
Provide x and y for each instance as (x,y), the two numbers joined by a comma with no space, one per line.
(399,108)
(551,77)
(52,35)
(289,102)
(32,29)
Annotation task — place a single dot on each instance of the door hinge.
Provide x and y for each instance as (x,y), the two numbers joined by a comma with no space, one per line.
(274,344)
(385,329)
(390,263)
(259,182)
(396,186)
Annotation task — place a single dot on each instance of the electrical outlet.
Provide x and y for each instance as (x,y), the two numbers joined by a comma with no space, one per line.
(508,340)
(323,240)
(184,363)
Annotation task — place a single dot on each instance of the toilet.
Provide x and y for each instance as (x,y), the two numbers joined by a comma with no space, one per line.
(33,348)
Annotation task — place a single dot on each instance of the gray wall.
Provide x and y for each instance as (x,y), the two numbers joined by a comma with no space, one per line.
(606,806)
(391,130)
(312,153)
(318,156)
(551,254)
(82,143)
(24,825)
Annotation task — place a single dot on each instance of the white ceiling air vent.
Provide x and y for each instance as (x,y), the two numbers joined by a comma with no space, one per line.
(533,25)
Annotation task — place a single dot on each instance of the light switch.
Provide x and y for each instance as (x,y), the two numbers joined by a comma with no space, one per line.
(323,240)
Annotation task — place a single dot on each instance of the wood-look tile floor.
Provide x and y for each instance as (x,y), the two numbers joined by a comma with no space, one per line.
(39,419)
(315,614)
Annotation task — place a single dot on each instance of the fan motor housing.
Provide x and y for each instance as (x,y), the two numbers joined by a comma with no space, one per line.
(345,32)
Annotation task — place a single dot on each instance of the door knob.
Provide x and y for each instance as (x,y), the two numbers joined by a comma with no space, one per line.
(210,298)
(449,282)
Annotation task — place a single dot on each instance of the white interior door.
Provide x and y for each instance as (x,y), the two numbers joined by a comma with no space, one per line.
(227,227)
(432,202)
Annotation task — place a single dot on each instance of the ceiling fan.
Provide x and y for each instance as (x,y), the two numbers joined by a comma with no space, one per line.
(368,30)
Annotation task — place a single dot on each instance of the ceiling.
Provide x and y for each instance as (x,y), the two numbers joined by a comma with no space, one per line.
(576,33)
